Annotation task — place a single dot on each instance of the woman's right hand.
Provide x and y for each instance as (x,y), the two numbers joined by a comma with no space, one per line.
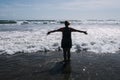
(85,32)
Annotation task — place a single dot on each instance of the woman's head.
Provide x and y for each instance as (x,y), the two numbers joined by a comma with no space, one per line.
(67,23)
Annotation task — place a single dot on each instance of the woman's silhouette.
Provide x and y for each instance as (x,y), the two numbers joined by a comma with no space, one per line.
(66,42)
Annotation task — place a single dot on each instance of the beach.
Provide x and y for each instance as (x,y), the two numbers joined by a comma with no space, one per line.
(28,53)
(59,39)
(50,66)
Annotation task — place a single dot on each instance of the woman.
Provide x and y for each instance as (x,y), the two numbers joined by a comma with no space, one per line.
(66,42)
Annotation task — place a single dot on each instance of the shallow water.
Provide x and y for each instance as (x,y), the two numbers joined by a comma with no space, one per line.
(49,66)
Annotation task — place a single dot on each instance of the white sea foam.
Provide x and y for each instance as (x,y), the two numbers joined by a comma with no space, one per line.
(100,39)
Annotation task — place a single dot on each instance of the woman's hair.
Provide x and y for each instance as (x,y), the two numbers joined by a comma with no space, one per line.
(67,23)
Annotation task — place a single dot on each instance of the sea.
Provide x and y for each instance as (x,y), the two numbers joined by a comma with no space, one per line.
(29,36)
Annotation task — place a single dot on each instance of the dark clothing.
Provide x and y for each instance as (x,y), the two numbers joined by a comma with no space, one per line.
(66,43)
(66,37)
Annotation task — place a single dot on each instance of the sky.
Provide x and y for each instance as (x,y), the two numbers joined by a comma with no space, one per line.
(59,9)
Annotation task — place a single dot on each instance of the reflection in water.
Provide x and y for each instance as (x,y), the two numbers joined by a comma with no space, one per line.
(62,70)
(67,71)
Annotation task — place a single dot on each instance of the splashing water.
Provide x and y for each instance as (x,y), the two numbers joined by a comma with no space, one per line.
(32,38)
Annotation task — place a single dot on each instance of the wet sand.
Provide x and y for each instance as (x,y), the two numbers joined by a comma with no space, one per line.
(50,66)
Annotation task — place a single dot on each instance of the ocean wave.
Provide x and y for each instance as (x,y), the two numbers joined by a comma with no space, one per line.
(100,39)
(8,22)
(89,22)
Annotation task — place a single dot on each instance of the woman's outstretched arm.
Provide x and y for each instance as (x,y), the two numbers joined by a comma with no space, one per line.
(75,30)
(54,31)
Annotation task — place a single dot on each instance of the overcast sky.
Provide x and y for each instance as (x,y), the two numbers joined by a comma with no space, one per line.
(59,9)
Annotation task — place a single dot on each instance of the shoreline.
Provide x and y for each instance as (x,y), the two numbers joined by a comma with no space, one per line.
(50,66)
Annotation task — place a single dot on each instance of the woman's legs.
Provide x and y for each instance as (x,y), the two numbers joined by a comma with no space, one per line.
(66,54)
